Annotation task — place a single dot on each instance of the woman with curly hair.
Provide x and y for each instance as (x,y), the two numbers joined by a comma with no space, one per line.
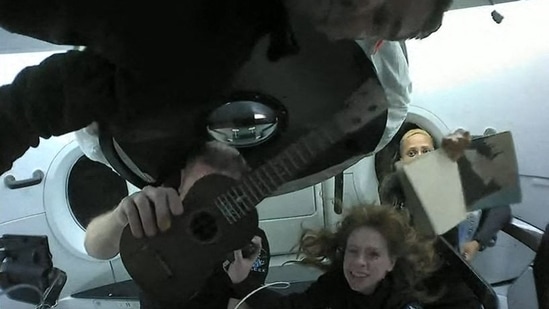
(374,259)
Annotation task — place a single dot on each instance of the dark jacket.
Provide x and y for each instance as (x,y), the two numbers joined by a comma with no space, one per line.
(541,270)
(143,66)
(491,222)
(152,73)
(330,291)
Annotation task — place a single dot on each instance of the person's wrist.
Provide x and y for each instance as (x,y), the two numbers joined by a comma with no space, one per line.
(118,218)
(244,287)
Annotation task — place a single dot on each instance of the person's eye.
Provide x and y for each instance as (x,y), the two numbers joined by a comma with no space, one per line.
(427,150)
(412,153)
(352,250)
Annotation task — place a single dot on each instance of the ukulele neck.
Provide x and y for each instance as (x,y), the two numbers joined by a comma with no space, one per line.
(236,202)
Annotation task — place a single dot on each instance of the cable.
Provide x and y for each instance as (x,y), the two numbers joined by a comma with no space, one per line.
(22,286)
(285,286)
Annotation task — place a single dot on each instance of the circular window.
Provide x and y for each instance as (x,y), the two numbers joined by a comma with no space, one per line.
(416,118)
(93,189)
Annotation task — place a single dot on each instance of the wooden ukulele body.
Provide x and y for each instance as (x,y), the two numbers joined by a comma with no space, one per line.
(177,263)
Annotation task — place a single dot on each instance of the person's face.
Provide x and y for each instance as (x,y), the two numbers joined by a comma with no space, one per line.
(415,146)
(229,164)
(366,260)
(376,19)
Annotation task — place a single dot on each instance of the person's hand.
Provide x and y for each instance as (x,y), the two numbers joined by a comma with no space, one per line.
(470,249)
(456,143)
(149,210)
(240,268)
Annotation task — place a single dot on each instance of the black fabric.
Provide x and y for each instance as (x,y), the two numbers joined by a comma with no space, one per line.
(541,271)
(329,291)
(49,100)
(456,294)
(132,34)
(492,220)
(142,92)
(130,75)
(455,282)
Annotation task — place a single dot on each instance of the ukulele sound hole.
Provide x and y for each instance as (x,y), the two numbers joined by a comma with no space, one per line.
(203,227)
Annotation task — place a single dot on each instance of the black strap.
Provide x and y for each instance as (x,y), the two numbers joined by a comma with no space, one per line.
(109,151)
(404,50)
(541,270)
(338,193)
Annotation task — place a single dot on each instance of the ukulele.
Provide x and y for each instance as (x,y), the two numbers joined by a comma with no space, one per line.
(220,212)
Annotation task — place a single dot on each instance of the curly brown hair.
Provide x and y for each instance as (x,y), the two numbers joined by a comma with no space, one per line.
(415,256)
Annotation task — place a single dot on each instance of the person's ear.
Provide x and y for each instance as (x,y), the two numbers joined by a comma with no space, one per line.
(339,252)
(393,262)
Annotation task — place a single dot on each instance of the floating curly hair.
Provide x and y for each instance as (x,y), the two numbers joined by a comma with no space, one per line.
(416,258)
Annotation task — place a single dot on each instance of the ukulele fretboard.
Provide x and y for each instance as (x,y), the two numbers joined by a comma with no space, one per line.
(259,184)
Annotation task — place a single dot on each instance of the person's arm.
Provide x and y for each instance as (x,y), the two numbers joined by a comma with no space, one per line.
(147,212)
(65,92)
(491,222)
(103,236)
(47,20)
(62,22)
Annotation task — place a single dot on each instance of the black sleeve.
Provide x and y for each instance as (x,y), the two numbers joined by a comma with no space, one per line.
(214,295)
(541,270)
(63,22)
(318,295)
(37,19)
(64,93)
(491,222)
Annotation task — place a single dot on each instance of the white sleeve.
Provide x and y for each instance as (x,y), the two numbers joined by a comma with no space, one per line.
(88,141)
(391,66)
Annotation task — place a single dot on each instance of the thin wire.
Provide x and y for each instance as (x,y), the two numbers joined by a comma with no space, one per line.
(284,284)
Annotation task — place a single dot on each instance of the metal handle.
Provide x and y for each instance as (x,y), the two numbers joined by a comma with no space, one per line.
(13,184)
(338,194)
(525,233)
